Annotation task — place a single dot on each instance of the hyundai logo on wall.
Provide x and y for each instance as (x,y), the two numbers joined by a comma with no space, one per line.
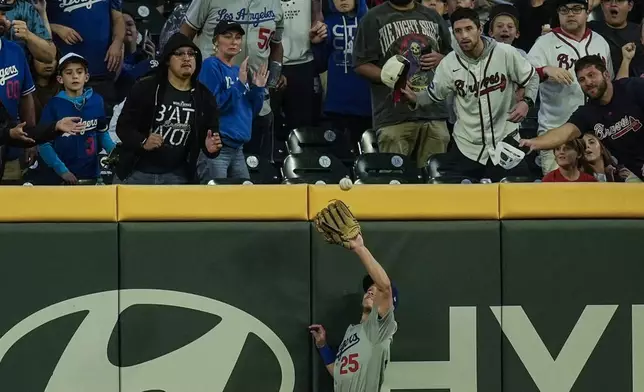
(203,365)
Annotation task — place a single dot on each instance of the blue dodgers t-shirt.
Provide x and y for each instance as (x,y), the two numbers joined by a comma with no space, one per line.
(15,77)
(78,153)
(92,19)
(15,82)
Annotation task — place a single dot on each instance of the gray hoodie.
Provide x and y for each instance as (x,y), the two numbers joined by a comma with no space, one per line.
(484,90)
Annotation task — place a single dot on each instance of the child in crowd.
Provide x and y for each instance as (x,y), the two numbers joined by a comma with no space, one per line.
(605,167)
(46,84)
(239,100)
(572,163)
(439,6)
(504,25)
(347,106)
(74,158)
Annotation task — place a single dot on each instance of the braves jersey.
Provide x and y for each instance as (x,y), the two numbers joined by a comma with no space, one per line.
(92,19)
(618,124)
(77,152)
(15,77)
(557,49)
(484,94)
(363,354)
(262,21)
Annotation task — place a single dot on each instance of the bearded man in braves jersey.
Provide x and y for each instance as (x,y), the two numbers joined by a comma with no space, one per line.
(481,73)
(614,113)
(363,355)
(553,55)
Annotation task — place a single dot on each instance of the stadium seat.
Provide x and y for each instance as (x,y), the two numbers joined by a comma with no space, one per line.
(311,168)
(322,141)
(368,142)
(231,181)
(437,175)
(262,171)
(385,168)
(515,179)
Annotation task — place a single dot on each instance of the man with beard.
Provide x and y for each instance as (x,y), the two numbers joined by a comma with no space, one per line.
(481,73)
(618,31)
(167,119)
(409,29)
(554,55)
(614,113)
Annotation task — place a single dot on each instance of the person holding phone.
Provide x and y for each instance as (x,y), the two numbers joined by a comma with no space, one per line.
(139,58)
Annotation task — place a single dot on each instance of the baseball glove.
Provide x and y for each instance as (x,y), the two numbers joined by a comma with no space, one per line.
(337,224)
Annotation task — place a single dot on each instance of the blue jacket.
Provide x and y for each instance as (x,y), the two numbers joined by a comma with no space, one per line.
(77,153)
(238,103)
(347,92)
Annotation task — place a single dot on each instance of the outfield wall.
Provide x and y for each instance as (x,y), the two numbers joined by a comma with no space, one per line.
(503,287)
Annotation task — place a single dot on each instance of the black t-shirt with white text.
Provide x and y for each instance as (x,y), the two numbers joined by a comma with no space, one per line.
(172,120)
(618,124)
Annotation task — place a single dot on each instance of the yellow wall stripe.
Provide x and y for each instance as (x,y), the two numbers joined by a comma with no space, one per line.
(204,203)
(302,202)
(58,204)
(411,202)
(582,200)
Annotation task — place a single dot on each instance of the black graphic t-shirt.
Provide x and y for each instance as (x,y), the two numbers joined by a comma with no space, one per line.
(173,119)
(619,123)
(384,32)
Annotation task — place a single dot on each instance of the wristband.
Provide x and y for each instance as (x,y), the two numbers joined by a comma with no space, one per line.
(328,356)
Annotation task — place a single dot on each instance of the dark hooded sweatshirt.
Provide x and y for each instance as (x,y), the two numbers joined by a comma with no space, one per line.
(182,118)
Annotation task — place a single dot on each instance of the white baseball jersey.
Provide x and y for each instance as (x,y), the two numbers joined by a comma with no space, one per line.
(364,354)
(557,49)
(484,94)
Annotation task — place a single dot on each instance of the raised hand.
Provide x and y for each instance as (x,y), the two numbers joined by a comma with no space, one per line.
(319,335)
(213,142)
(243,71)
(261,76)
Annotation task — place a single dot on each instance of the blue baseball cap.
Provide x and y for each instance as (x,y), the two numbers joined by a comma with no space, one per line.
(368,282)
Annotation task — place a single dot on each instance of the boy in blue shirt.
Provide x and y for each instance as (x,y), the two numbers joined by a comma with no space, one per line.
(74,157)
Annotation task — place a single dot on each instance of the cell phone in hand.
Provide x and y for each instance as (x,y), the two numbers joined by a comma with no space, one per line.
(426,50)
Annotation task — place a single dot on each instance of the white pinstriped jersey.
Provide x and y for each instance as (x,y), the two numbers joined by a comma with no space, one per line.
(557,49)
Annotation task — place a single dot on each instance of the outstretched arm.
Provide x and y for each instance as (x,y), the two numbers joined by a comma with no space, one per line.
(380,278)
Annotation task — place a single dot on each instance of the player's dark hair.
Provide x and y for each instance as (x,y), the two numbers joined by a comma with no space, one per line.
(590,61)
(465,13)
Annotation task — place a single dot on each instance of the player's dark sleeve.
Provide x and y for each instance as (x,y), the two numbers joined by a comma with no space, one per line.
(41,133)
(582,119)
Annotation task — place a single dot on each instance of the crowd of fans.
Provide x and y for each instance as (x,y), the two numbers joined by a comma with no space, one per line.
(466,90)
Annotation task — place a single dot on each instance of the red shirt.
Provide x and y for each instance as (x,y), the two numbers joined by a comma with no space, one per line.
(556,176)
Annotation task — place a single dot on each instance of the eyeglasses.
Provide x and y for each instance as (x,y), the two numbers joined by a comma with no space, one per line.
(181,53)
(575,10)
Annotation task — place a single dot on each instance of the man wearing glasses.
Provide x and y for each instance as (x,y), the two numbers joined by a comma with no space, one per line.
(554,56)
(167,119)
(618,31)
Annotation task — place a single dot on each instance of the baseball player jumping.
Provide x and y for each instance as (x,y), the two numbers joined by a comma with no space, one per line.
(481,73)
(361,359)
(554,55)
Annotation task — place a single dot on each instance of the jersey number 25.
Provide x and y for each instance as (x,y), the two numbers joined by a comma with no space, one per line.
(349,364)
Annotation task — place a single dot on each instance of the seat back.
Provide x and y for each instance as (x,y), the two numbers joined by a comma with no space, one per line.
(382,168)
(368,142)
(262,171)
(435,165)
(320,140)
(311,167)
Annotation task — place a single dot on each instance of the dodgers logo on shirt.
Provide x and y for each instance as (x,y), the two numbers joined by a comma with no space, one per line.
(347,343)
(8,73)
(72,5)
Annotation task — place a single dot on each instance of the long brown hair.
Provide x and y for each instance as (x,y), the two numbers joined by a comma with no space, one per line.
(603,151)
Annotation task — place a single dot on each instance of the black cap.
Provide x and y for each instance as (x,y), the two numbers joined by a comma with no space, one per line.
(228,25)
(368,282)
(504,9)
(564,2)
